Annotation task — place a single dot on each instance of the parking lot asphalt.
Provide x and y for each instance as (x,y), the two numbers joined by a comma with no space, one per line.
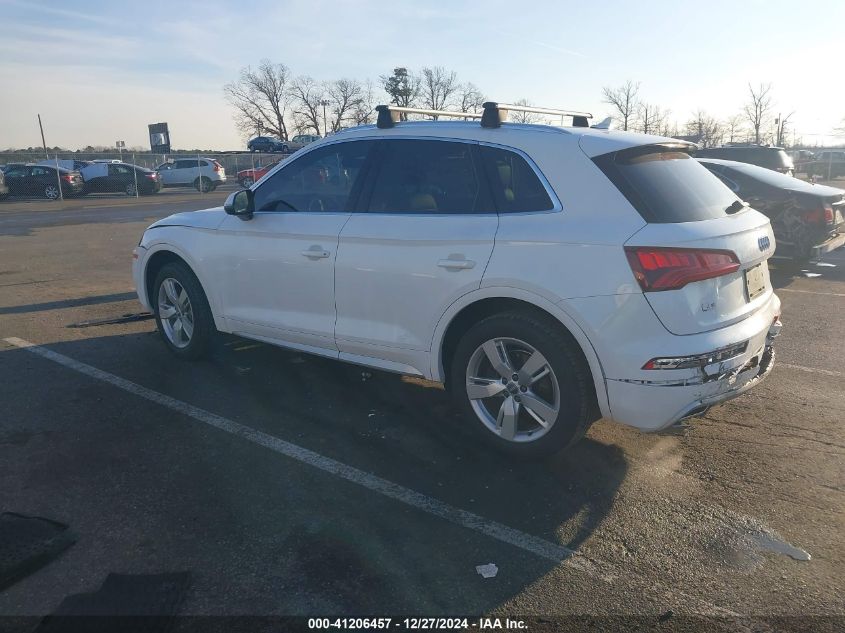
(289,484)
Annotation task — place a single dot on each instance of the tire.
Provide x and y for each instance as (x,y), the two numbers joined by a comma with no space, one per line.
(131,190)
(187,343)
(203,184)
(247,182)
(285,149)
(52,192)
(563,397)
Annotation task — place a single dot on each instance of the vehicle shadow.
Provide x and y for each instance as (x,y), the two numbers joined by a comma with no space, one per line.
(784,272)
(346,551)
(68,303)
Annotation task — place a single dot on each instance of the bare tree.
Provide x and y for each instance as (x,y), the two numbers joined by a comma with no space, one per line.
(402,87)
(343,96)
(624,100)
(649,118)
(524,117)
(259,97)
(363,111)
(781,122)
(708,130)
(735,127)
(307,96)
(469,97)
(757,110)
(437,86)
(668,127)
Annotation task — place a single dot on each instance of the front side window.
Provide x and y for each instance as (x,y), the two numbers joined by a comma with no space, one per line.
(321,180)
(419,176)
(515,185)
(41,171)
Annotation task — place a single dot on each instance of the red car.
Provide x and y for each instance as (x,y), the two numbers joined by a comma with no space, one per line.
(248,176)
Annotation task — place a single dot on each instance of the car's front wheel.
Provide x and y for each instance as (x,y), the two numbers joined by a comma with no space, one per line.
(247,182)
(523,384)
(182,313)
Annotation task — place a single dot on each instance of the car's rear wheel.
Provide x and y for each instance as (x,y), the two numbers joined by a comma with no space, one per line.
(52,192)
(247,182)
(203,185)
(523,384)
(182,313)
(131,190)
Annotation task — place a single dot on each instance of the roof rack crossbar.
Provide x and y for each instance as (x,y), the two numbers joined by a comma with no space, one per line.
(497,113)
(389,115)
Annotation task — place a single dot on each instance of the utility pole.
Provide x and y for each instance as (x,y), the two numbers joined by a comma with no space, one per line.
(43,142)
(324,103)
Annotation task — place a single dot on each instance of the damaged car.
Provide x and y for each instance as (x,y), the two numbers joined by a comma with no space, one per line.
(807,219)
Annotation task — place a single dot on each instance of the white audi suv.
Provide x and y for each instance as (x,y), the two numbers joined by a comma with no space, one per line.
(548,276)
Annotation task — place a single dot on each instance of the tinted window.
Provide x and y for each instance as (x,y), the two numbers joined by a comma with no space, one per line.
(418,176)
(42,171)
(321,180)
(16,172)
(514,183)
(665,185)
(184,164)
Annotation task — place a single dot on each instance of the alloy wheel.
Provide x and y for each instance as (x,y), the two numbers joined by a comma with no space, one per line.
(512,389)
(51,192)
(175,312)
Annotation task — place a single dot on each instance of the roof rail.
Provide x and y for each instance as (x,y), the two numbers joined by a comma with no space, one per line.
(388,115)
(497,113)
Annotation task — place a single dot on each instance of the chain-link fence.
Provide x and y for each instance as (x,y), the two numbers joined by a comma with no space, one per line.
(205,171)
(232,162)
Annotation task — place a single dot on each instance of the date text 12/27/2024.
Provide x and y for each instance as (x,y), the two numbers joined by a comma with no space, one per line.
(416,624)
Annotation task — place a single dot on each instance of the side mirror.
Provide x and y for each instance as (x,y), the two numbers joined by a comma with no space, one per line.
(240,204)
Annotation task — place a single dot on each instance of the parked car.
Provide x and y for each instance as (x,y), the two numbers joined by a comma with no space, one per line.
(4,190)
(298,142)
(8,166)
(120,177)
(774,158)
(828,164)
(42,180)
(71,164)
(548,276)
(204,174)
(807,219)
(246,177)
(265,144)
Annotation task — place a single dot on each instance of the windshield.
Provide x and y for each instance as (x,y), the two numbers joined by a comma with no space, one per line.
(666,185)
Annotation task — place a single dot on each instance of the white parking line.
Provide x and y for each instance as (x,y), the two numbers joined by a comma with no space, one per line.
(540,547)
(812,370)
(554,552)
(812,292)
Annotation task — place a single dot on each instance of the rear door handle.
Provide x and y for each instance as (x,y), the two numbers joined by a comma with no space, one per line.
(315,252)
(456,264)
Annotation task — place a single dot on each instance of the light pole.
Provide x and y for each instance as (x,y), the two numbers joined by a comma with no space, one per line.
(324,103)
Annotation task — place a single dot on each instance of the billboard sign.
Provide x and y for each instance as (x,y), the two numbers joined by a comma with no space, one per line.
(159,138)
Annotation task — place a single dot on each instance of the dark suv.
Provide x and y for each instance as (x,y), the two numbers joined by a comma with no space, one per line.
(774,158)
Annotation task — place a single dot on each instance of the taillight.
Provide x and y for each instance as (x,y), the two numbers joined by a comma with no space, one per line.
(217,166)
(67,178)
(151,176)
(817,216)
(828,214)
(661,268)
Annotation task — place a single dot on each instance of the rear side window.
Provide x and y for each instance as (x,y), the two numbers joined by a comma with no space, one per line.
(419,176)
(666,185)
(515,185)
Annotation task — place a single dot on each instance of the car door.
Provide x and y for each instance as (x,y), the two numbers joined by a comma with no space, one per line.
(116,179)
(276,270)
(17,179)
(420,240)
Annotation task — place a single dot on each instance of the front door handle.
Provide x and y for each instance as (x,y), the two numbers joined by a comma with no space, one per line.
(316,252)
(456,264)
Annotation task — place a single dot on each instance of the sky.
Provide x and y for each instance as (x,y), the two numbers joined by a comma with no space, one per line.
(99,71)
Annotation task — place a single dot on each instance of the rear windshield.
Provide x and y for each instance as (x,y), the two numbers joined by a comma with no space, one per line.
(666,185)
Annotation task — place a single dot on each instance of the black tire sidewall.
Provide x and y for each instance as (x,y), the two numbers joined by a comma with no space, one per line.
(203,320)
(567,362)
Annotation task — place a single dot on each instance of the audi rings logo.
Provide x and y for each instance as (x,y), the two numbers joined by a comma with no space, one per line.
(764,243)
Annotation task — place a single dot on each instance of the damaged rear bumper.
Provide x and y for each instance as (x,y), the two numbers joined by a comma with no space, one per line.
(656,404)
